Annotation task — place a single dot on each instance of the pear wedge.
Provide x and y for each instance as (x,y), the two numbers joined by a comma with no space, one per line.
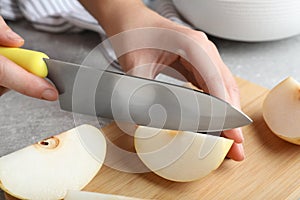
(82,195)
(48,169)
(180,156)
(281,110)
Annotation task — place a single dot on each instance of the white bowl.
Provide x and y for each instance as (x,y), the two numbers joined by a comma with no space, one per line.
(243,20)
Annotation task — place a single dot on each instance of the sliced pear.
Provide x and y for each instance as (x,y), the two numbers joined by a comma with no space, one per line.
(48,169)
(281,110)
(82,195)
(180,155)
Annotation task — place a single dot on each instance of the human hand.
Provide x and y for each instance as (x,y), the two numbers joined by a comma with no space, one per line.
(16,78)
(193,55)
(215,79)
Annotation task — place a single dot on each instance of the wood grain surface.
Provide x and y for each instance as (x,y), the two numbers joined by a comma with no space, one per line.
(271,169)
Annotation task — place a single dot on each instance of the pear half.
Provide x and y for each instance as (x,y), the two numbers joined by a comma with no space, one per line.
(281,110)
(48,169)
(180,155)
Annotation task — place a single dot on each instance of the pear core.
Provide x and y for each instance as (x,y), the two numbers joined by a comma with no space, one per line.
(47,169)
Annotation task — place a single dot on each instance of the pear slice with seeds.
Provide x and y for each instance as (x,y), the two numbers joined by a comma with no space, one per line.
(48,169)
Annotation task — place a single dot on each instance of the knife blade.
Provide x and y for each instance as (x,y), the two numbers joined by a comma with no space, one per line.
(93,91)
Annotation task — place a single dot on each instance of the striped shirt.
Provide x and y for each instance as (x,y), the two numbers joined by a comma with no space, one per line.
(69,15)
(60,16)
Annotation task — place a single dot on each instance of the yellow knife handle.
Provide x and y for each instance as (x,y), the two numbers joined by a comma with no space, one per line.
(32,61)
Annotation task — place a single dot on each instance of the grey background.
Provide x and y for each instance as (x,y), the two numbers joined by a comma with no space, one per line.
(27,119)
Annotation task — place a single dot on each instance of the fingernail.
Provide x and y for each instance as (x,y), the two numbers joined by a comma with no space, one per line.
(242,152)
(49,95)
(239,135)
(13,36)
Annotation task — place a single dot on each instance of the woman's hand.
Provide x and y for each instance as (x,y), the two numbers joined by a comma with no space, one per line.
(186,50)
(16,78)
(214,78)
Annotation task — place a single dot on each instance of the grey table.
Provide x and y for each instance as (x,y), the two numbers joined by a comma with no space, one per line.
(262,63)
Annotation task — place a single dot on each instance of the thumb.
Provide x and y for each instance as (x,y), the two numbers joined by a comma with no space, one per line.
(16,78)
(8,37)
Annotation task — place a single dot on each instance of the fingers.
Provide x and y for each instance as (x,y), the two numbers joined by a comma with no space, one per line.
(146,63)
(233,95)
(236,152)
(8,37)
(235,134)
(16,78)
(145,71)
(199,60)
(213,76)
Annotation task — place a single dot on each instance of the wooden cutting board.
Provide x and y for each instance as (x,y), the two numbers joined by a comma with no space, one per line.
(271,169)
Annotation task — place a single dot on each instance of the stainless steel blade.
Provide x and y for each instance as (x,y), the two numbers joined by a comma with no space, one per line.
(124,98)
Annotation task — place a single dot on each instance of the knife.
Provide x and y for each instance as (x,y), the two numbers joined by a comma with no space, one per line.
(92,90)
